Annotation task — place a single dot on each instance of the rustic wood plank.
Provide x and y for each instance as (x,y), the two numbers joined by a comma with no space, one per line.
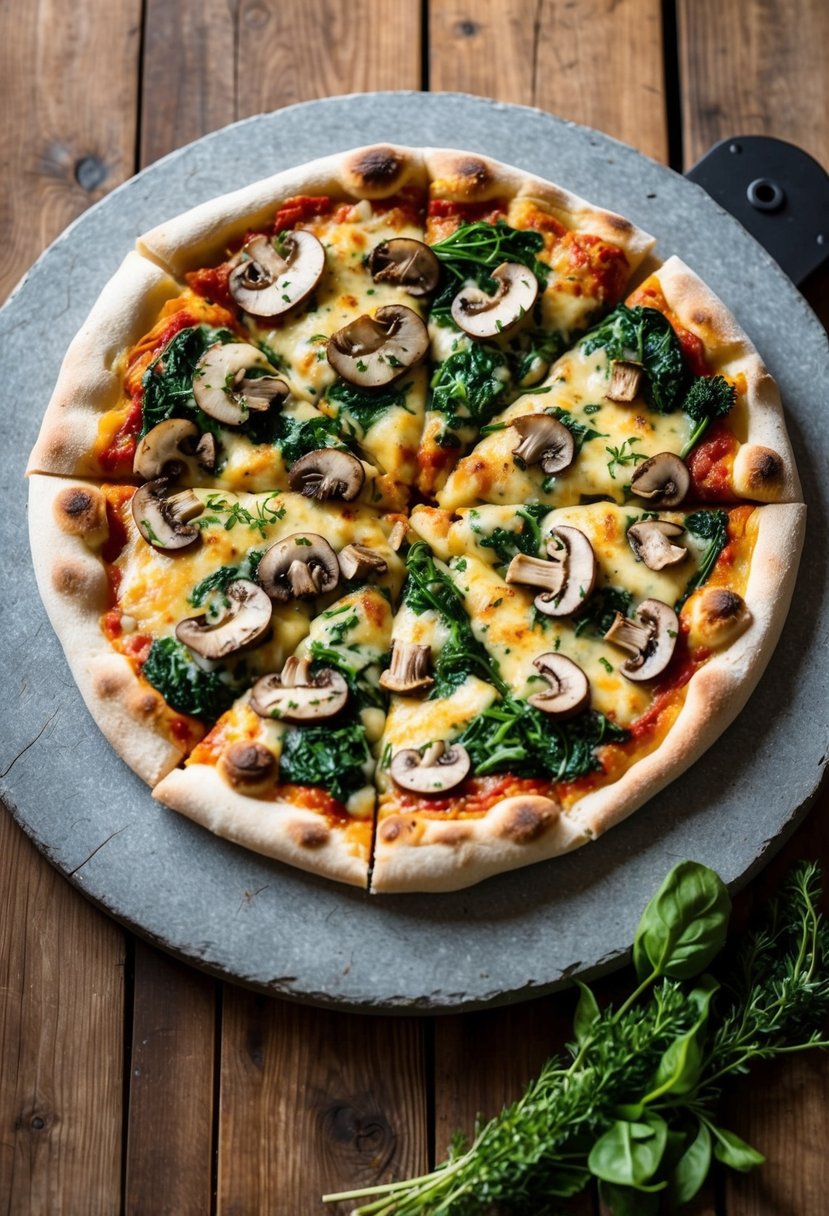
(68,131)
(61,1042)
(295,50)
(170,1135)
(188,74)
(754,68)
(598,64)
(484,1061)
(336,1101)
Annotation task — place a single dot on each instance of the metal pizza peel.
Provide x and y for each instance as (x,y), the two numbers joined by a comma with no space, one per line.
(248,919)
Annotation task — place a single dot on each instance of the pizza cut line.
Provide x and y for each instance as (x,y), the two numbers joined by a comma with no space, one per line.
(403,519)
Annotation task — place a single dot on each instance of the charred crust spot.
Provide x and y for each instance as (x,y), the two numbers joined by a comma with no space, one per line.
(69,578)
(309,835)
(619,224)
(527,820)
(377,166)
(764,466)
(79,510)
(145,705)
(245,761)
(723,605)
(396,827)
(454,833)
(700,317)
(473,175)
(108,686)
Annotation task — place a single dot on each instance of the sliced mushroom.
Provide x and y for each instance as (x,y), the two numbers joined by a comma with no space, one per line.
(373,351)
(408,668)
(161,517)
(544,441)
(399,532)
(663,480)
(625,378)
(327,473)
(356,561)
(406,263)
(569,691)
(265,283)
(484,316)
(222,390)
(651,541)
(163,450)
(297,696)
(567,577)
(207,452)
(438,769)
(301,564)
(650,639)
(245,762)
(244,618)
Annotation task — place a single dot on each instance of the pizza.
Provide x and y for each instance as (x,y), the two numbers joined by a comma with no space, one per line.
(405,519)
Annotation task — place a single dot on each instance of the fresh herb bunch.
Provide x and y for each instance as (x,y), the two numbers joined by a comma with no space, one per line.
(168,381)
(635,1103)
(473,251)
(185,686)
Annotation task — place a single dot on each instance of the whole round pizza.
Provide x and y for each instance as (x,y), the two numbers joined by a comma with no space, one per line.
(405,519)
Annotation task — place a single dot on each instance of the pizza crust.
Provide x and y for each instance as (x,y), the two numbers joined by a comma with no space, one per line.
(89,383)
(67,526)
(764,468)
(287,833)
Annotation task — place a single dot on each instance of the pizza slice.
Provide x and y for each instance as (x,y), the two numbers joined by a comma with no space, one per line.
(665,400)
(288,770)
(327,282)
(615,644)
(524,268)
(171,602)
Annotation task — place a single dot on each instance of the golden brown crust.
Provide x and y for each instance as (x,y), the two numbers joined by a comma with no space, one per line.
(764,468)
(287,833)
(74,589)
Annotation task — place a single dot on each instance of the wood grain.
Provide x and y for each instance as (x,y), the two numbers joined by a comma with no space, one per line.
(597,63)
(314,1102)
(170,1131)
(757,67)
(68,130)
(61,1042)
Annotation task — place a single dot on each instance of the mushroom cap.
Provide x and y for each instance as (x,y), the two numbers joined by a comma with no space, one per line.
(663,480)
(161,517)
(327,473)
(569,691)
(572,547)
(246,616)
(301,564)
(651,539)
(319,696)
(164,450)
(484,316)
(438,769)
(266,284)
(407,263)
(544,441)
(221,389)
(650,638)
(372,351)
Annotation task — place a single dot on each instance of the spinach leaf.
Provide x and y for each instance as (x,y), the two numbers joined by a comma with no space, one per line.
(630,1153)
(470,385)
(684,926)
(365,406)
(185,687)
(168,382)
(507,543)
(599,612)
(332,757)
(713,527)
(295,438)
(219,580)
(473,250)
(644,336)
(692,1168)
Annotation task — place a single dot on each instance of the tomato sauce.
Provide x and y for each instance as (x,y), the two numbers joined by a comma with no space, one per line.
(300,209)
(598,263)
(444,216)
(119,454)
(213,283)
(473,798)
(710,464)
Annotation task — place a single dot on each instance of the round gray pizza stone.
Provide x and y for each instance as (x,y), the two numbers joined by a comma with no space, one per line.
(296,936)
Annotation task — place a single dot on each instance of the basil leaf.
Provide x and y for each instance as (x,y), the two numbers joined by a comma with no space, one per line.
(734,1152)
(684,925)
(586,1015)
(629,1154)
(692,1168)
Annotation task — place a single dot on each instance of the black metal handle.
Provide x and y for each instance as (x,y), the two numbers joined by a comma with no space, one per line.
(777,191)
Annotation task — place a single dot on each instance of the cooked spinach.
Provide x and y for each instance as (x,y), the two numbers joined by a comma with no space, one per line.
(473,251)
(333,757)
(168,381)
(708,397)
(713,527)
(470,385)
(365,406)
(295,438)
(599,613)
(644,335)
(219,580)
(506,543)
(172,671)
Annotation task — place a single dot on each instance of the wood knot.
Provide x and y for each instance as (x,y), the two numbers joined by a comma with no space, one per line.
(90,172)
(467,29)
(34,1121)
(366,1131)
(257,16)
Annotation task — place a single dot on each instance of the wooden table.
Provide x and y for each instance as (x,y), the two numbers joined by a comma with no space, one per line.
(132,1083)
